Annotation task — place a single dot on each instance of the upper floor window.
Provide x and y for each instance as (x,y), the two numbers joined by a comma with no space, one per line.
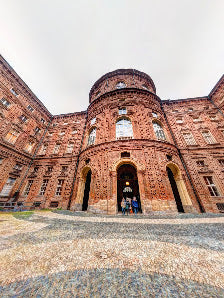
(18,167)
(62,133)
(13,91)
(92,137)
(56,149)
(59,187)
(64,169)
(200,163)
(66,123)
(211,186)
(12,136)
(179,120)
(196,119)
(145,87)
(74,131)
(1,160)
(209,139)
(30,108)
(29,147)
(159,131)
(190,110)
(93,121)
(122,111)
(37,130)
(124,129)
(70,147)
(221,161)
(120,85)
(213,117)
(5,102)
(154,115)
(23,118)
(43,187)
(42,120)
(28,186)
(43,149)
(189,139)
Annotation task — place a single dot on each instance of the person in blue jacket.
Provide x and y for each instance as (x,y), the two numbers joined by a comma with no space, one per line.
(135,205)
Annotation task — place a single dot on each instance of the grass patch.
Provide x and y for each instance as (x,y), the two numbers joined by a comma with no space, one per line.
(23,214)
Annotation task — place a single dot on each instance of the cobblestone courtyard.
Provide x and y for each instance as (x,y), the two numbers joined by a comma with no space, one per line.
(65,254)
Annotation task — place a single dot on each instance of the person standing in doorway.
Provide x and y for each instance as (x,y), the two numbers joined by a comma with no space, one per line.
(135,205)
(128,205)
(123,206)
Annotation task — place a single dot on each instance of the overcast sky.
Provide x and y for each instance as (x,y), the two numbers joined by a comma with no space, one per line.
(61,47)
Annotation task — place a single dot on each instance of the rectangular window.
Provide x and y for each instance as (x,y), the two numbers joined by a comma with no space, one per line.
(42,120)
(62,133)
(29,147)
(211,186)
(70,147)
(36,204)
(5,102)
(189,139)
(59,187)
(23,118)
(74,131)
(213,117)
(43,149)
(28,186)
(7,187)
(56,149)
(93,121)
(196,119)
(49,169)
(64,169)
(122,111)
(37,130)
(30,108)
(1,160)
(12,136)
(208,137)
(179,120)
(43,187)
(221,161)
(154,115)
(13,91)
(18,167)
(53,204)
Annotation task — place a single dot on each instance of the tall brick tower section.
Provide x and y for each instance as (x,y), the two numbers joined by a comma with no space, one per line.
(128,150)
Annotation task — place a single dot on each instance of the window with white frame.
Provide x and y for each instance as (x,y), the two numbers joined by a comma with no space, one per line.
(56,149)
(92,137)
(7,187)
(12,136)
(179,120)
(213,117)
(120,85)
(159,132)
(18,167)
(74,131)
(93,121)
(62,133)
(208,137)
(43,149)
(69,148)
(196,119)
(200,163)
(122,111)
(189,139)
(145,87)
(1,160)
(5,102)
(154,115)
(211,186)
(43,187)
(42,120)
(28,186)
(13,91)
(59,187)
(31,109)
(64,169)
(190,109)
(124,129)
(221,162)
(23,118)
(29,147)
(37,130)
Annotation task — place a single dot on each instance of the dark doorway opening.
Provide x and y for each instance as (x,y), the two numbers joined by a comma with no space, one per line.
(127,185)
(175,190)
(86,191)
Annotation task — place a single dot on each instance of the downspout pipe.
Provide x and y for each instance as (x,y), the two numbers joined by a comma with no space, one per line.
(183,163)
(77,164)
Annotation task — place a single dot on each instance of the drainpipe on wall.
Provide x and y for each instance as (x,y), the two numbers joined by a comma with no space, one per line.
(183,163)
(16,195)
(76,167)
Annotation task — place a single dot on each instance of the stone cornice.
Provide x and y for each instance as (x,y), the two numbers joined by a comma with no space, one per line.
(120,91)
(132,72)
(174,101)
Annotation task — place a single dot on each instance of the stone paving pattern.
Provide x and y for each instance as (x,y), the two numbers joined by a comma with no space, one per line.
(66,254)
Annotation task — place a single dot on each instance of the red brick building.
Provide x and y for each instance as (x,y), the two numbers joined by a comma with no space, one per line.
(129,142)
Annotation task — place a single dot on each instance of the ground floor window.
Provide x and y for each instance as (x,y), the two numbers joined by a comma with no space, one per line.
(211,186)
(43,187)
(7,187)
(27,189)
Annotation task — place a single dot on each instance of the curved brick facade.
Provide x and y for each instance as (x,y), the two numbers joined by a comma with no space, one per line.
(61,153)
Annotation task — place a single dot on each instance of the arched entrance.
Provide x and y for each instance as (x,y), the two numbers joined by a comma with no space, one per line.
(175,190)
(127,184)
(86,191)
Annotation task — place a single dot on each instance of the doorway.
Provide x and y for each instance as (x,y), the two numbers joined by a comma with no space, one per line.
(127,184)
(175,190)
(86,191)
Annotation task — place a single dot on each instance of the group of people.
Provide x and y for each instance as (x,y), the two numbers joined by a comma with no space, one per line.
(128,204)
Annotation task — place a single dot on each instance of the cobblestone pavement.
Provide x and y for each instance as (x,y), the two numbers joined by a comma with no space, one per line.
(65,254)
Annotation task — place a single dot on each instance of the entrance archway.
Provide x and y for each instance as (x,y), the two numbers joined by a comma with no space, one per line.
(127,184)
(86,191)
(175,190)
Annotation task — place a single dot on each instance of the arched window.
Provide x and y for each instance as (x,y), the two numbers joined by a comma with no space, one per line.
(92,137)
(124,129)
(159,131)
(121,85)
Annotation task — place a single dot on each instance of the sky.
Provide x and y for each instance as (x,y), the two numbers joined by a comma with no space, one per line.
(61,47)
